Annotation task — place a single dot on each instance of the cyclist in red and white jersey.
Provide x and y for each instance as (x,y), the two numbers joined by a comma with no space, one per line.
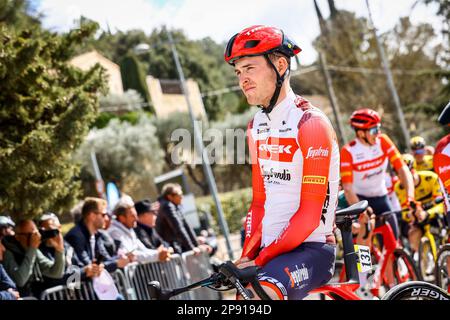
(295,170)
(364,163)
(441,160)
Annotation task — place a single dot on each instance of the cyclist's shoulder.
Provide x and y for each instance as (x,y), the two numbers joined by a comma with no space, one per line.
(385,140)
(427,176)
(348,146)
(442,144)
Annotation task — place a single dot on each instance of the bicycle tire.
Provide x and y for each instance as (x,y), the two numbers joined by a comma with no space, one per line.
(416,290)
(424,255)
(441,272)
(413,274)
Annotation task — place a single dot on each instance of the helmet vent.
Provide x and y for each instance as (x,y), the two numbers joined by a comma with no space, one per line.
(251,44)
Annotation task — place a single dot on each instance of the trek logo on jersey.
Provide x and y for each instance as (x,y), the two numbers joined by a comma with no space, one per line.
(298,275)
(277,149)
(317,153)
(273,148)
(369,164)
(314,179)
(443,169)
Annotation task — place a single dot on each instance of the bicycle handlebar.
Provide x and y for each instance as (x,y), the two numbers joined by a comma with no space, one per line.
(228,275)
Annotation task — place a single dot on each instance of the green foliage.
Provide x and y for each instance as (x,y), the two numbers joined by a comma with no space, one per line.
(127,154)
(235,206)
(346,40)
(46,107)
(133,76)
(18,14)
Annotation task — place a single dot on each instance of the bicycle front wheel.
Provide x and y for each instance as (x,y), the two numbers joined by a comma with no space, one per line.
(426,261)
(404,268)
(443,267)
(416,290)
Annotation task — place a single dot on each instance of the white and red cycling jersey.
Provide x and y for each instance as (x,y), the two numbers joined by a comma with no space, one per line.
(365,166)
(295,178)
(441,163)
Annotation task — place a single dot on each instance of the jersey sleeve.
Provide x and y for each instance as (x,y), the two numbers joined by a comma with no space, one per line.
(253,225)
(346,167)
(313,133)
(391,152)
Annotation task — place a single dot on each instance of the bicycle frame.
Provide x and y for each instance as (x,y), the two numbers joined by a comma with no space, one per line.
(344,290)
(389,245)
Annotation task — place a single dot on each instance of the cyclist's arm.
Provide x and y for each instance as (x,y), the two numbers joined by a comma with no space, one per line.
(314,133)
(253,225)
(346,171)
(350,195)
(403,173)
(406,180)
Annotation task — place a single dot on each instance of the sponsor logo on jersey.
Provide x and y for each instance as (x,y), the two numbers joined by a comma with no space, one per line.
(248,225)
(285,130)
(370,164)
(317,153)
(277,149)
(269,174)
(298,275)
(371,175)
(314,179)
(259,131)
(262,124)
(443,169)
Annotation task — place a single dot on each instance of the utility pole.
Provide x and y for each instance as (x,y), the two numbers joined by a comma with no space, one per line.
(201,150)
(390,80)
(332,97)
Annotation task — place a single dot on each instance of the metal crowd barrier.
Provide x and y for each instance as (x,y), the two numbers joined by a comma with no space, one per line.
(171,275)
(132,282)
(86,290)
(200,268)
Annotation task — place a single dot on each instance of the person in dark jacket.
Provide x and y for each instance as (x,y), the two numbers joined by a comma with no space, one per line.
(171,223)
(87,243)
(111,245)
(8,290)
(145,229)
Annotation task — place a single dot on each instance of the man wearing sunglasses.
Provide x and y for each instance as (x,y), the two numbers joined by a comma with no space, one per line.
(364,163)
(422,156)
(295,170)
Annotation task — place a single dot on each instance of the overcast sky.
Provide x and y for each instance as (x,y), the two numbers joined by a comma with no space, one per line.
(222,19)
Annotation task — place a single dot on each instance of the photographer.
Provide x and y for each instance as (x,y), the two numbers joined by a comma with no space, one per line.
(8,289)
(26,264)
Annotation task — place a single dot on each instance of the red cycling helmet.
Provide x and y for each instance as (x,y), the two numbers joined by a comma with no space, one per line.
(259,40)
(364,119)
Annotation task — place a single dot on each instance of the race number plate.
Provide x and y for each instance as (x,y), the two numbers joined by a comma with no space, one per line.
(364,259)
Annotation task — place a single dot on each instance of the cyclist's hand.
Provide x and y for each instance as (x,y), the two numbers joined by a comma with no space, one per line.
(241,260)
(421,215)
(246,264)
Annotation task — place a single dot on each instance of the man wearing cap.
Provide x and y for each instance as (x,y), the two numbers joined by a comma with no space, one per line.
(145,228)
(423,160)
(122,229)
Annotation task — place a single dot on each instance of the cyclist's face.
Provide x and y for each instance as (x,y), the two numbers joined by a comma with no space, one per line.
(256,79)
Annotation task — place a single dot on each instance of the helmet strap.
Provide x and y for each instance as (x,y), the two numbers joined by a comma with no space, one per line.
(279,84)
